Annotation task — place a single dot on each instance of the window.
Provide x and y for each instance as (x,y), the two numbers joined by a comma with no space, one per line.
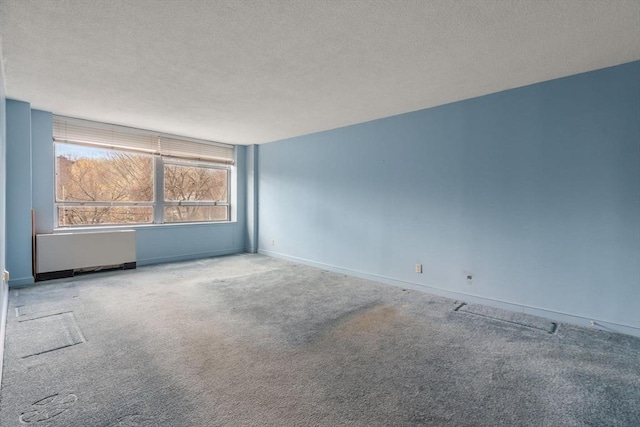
(195,193)
(98,186)
(110,175)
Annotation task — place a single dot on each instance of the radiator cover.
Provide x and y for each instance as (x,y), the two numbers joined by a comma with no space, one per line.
(71,251)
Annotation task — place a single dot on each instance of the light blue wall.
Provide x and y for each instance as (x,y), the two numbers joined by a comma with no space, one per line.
(534,191)
(31,182)
(18,192)
(188,241)
(42,196)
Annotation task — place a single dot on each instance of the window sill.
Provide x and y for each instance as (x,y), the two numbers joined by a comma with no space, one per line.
(140,227)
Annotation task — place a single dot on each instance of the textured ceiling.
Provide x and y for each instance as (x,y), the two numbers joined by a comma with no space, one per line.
(257,71)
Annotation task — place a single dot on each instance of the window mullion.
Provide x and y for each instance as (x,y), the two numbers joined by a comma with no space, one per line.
(158,190)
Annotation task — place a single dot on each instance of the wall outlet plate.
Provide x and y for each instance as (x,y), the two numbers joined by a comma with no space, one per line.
(5,276)
(418,268)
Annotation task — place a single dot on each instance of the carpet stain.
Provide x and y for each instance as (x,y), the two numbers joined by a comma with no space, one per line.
(367,320)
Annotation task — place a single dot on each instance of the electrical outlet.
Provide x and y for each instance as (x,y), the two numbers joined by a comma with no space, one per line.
(5,276)
(418,268)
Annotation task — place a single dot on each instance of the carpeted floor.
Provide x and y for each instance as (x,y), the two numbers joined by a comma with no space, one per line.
(253,341)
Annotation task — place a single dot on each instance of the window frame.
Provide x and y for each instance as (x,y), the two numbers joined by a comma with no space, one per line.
(160,197)
(158,204)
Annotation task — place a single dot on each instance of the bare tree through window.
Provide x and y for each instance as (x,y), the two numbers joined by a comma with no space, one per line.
(192,193)
(99,186)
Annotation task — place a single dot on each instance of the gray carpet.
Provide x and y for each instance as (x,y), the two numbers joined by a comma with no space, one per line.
(254,341)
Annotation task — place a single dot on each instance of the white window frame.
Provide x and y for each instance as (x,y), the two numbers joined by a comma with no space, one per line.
(159,195)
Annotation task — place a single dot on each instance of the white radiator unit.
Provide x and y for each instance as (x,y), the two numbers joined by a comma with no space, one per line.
(59,255)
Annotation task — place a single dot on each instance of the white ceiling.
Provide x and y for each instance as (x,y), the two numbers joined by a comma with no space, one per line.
(253,71)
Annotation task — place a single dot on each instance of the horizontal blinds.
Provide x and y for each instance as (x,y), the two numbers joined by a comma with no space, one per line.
(76,131)
(85,132)
(195,150)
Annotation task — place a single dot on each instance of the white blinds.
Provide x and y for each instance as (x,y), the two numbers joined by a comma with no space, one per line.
(76,131)
(85,132)
(195,150)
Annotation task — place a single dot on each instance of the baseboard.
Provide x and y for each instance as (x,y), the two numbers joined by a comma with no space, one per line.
(21,282)
(3,322)
(520,308)
(189,257)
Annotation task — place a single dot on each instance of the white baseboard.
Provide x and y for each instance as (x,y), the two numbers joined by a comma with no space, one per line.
(520,308)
